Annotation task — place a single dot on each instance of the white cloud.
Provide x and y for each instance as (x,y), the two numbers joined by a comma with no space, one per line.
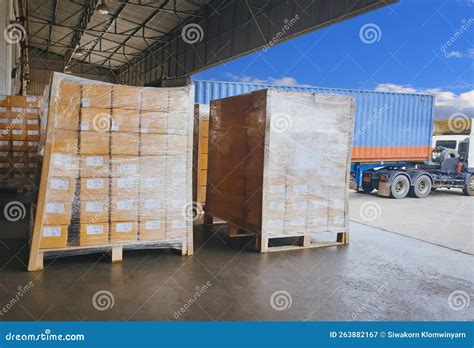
(283,81)
(446,103)
(453,54)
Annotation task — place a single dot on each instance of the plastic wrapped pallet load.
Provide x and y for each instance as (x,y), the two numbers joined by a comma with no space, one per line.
(117,170)
(278,166)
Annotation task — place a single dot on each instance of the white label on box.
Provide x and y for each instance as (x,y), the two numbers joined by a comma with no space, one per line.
(32,143)
(31,111)
(126,183)
(17,109)
(4,165)
(115,126)
(152,183)
(179,183)
(127,169)
(94,207)
(18,154)
(179,169)
(19,165)
(84,125)
(33,154)
(3,109)
(274,223)
(4,120)
(338,220)
(178,224)
(95,229)
(338,204)
(319,204)
(31,99)
(34,122)
(125,205)
(153,203)
(124,227)
(276,206)
(62,159)
(300,189)
(4,142)
(17,132)
(32,165)
(33,132)
(52,232)
(94,161)
(299,206)
(4,154)
(17,120)
(322,220)
(58,184)
(86,103)
(144,129)
(95,183)
(55,208)
(152,225)
(276,189)
(297,222)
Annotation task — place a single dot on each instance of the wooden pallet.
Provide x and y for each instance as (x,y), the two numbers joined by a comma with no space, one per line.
(234,231)
(299,242)
(115,250)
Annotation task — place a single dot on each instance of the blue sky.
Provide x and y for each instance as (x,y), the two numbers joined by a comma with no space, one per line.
(410,54)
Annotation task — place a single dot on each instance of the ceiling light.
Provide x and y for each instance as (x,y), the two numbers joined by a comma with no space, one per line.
(103,8)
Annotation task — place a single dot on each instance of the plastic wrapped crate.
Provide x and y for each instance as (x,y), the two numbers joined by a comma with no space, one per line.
(112,178)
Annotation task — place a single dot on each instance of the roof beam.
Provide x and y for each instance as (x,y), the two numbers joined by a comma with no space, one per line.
(55,10)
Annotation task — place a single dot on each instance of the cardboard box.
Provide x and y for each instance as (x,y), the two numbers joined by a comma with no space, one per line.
(70,94)
(53,236)
(6,135)
(124,231)
(33,146)
(126,97)
(32,101)
(17,121)
(125,144)
(124,209)
(19,146)
(65,116)
(61,189)
(20,168)
(94,211)
(5,168)
(152,206)
(33,157)
(176,227)
(153,145)
(32,122)
(94,188)
(65,142)
(5,157)
(124,186)
(64,165)
(96,96)
(125,166)
(4,101)
(19,156)
(152,166)
(125,120)
(18,134)
(94,166)
(153,184)
(94,234)
(154,99)
(152,229)
(5,122)
(17,101)
(57,213)
(33,135)
(94,143)
(95,120)
(153,122)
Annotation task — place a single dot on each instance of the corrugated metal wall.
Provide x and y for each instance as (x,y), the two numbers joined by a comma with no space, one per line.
(388,126)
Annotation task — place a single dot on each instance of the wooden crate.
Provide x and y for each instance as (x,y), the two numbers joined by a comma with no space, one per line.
(278,166)
(200,150)
(123,172)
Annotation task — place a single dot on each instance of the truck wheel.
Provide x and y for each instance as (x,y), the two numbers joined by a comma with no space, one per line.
(421,188)
(468,190)
(367,187)
(400,187)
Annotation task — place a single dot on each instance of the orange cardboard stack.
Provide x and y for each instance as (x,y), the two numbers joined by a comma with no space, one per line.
(118,167)
(19,141)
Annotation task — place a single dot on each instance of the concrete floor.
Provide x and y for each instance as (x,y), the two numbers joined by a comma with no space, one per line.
(445,218)
(379,276)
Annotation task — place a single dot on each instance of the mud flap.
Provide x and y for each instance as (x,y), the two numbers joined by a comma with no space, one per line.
(384,189)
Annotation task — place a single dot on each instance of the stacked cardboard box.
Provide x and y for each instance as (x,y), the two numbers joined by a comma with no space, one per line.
(19,141)
(200,151)
(122,157)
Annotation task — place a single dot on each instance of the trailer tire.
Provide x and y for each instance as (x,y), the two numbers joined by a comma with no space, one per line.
(421,188)
(400,187)
(367,187)
(468,190)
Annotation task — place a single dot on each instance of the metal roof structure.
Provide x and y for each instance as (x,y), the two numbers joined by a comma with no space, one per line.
(143,41)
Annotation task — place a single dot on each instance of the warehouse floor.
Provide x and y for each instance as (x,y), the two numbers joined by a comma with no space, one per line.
(379,276)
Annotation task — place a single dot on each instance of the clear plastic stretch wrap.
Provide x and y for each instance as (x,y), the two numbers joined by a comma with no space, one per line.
(20,145)
(279,162)
(118,166)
